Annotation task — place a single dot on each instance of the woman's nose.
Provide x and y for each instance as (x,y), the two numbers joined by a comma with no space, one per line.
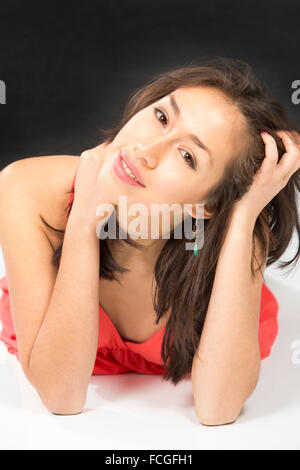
(151,151)
(144,155)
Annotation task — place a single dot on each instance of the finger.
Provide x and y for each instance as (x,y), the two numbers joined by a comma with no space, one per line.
(296,137)
(86,153)
(289,143)
(290,161)
(271,150)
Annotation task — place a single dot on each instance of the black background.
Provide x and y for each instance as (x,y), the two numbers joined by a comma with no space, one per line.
(69,67)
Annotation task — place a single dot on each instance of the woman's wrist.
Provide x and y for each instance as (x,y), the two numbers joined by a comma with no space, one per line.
(84,222)
(244,216)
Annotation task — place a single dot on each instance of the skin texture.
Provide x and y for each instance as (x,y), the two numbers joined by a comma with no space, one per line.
(158,144)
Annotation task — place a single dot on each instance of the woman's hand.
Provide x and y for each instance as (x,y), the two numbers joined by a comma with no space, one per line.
(272,176)
(90,190)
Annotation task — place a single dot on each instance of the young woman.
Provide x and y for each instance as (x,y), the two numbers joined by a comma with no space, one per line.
(76,304)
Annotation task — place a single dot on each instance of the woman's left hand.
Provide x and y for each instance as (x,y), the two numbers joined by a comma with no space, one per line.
(272,176)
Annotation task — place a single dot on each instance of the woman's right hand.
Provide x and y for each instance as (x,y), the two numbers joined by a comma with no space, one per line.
(90,190)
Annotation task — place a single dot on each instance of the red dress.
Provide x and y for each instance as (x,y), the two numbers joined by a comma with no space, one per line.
(116,355)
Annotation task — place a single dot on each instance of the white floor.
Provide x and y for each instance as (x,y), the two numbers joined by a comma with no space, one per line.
(132,411)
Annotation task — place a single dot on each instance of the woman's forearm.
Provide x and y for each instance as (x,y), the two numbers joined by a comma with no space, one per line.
(227,361)
(63,355)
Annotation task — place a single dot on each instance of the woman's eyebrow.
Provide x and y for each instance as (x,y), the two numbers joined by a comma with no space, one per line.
(193,137)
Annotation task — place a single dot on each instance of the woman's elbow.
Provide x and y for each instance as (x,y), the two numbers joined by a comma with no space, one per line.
(59,405)
(65,410)
(217,418)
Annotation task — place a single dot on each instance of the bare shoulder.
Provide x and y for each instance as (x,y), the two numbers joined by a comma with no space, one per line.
(46,180)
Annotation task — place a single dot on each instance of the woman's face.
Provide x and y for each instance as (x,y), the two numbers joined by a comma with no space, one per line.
(159,141)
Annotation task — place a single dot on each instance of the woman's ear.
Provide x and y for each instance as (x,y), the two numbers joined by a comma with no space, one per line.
(203,212)
(207,214)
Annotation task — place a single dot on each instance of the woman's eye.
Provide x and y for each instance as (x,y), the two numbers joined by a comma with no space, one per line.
(191,161)
(163,114)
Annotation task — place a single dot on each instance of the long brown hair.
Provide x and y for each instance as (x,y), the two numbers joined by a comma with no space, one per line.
(184,282)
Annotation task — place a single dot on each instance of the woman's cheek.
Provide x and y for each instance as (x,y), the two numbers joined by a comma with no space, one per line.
(171,191)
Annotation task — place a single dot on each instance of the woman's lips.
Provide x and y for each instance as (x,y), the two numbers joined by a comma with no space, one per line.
(132,167)
(121,173)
